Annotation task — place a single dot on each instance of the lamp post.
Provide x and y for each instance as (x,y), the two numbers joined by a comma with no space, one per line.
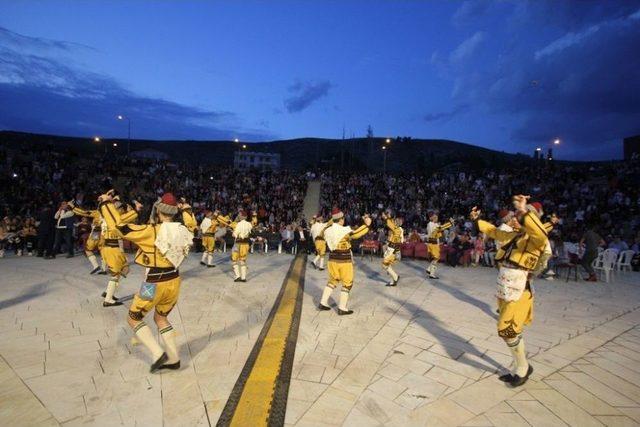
(385,148)
(384,161)
(550,151)
(97,140)
(550,146)
(121,117)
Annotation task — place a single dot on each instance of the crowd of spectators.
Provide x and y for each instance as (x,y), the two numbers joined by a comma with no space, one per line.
(35,183)
(602,197)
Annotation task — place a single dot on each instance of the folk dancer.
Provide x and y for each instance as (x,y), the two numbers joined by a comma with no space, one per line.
(162,246)
(434,234)
(208,228)
(241,233)
(317,234)
(95,241)
(338,238)
(518,256)
(394,242)
(112,252)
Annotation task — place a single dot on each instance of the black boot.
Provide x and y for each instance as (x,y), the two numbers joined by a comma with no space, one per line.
(95,270)
(323,307)
(344,312)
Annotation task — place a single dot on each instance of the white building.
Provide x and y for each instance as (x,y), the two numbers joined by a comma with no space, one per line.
(255,160)
(150,153)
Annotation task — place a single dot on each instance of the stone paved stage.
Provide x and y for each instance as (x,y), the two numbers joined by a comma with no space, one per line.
(419,354)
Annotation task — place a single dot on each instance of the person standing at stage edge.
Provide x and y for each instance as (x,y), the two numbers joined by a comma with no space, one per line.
(518,257)
(338,238)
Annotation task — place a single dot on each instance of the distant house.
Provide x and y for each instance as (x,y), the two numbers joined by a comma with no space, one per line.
(255,160)
(151,154)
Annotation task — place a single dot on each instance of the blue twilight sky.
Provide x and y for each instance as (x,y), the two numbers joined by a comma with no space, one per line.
(508,75)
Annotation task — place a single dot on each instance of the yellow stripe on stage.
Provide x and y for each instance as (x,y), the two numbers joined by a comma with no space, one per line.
(254,405)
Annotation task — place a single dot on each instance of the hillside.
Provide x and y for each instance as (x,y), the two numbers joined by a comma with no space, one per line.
(409,155)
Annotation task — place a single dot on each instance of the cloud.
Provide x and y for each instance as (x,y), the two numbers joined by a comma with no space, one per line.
(565,42)
(42,93)
(470,11)
(573,38)
(446,115)
(467,48)
(12,39)
(304,94)
(571,16)
(580,86)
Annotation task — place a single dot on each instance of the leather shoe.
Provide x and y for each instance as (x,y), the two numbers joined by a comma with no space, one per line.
(517,381)
(172,366)
(158,363)
(111,304)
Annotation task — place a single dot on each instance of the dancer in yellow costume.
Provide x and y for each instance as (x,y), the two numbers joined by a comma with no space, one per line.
(394,242)
(434,234)
(241,233)
(208,228)
(317,234)
(338,239)
(112,253)
(518,256)
(95,241)
(162,246)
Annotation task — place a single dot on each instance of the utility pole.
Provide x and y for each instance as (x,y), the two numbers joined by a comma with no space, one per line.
(342,150)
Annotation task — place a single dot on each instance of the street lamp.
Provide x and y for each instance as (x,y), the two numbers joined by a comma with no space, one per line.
(384,162)
(388,141)
(236,140)
(550,152)
(244,146)
(96,139)
(121,117)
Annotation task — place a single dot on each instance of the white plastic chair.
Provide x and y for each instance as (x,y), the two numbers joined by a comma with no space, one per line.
(624,260)
(597,263)
(609,258)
